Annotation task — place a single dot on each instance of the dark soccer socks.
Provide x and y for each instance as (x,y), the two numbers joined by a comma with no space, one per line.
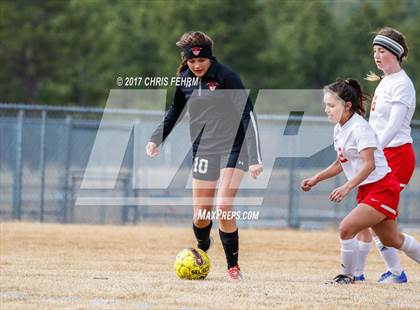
(203,236)
(230,242)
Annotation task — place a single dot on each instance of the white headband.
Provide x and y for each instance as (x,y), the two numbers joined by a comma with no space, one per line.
(390,44)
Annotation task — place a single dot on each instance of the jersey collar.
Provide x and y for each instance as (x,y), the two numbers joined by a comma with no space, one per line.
(350,121)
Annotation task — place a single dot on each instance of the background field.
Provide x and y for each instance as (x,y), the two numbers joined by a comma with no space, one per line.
(112,267)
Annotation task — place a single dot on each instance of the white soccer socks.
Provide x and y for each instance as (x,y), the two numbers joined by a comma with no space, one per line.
(411,247)
(361,256)
(390,256)
(348,255)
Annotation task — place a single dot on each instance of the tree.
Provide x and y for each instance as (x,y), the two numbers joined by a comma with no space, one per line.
(29,46)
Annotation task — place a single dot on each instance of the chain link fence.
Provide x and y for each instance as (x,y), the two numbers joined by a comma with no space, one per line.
(44,151)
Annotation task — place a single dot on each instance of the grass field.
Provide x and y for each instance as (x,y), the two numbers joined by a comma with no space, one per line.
(46,266)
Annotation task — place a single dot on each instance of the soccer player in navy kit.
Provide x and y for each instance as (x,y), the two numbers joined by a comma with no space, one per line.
(225,139)
(360,156)
(391,112)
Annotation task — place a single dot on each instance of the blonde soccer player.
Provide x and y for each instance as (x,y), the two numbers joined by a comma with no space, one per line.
(360,156)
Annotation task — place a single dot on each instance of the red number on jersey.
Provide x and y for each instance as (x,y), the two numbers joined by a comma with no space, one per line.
(341,157)
(373,104)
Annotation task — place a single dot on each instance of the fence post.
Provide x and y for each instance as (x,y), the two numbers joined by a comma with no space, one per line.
(42,165)
(67,158)
(72,197)
(293,214)
(125,207)
(17,183)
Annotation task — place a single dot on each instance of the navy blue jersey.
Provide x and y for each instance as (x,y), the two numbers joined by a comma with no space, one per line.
(220,113)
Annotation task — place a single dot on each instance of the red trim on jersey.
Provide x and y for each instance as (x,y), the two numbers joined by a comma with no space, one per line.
(373,106)
(340,154)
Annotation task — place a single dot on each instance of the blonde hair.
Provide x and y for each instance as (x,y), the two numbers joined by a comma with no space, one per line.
(372,77)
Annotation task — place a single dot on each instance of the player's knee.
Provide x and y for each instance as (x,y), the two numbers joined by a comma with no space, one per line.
(202,217)
(200,223)
(224,203)
(225,215)
(346,230)
(225,208)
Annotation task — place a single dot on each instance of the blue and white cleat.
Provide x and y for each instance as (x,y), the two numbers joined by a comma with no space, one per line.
(389,277)
(360,278)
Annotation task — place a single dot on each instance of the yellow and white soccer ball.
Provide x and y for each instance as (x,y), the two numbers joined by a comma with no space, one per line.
(192,264)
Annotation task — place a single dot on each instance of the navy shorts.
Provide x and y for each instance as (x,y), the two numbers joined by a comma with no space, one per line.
(207,167)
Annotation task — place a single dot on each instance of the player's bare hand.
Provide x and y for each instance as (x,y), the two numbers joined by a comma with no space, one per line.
(255,170)
(339,193)
(307,184)
(151,149)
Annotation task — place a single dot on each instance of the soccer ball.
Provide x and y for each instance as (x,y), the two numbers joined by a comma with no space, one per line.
(192,264)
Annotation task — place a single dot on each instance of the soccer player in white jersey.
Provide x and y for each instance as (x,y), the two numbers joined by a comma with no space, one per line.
(360,156)
(391,112)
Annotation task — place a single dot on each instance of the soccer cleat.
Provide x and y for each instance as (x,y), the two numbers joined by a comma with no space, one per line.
(342,279)
(389,277)
(360,278)
(384,276)
(234,273)
(203,247)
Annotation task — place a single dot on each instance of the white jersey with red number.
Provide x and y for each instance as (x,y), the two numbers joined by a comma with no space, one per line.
(393,88)
(351,138)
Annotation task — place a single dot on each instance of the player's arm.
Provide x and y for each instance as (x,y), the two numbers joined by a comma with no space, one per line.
(243,105)
(329,172)
(368,167)
(396,117)
(171,118)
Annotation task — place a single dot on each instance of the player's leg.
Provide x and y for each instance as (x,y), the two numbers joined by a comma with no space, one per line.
(392,261)
(205,174)
(361,217)
(390,236)
(364,240)
(402,161)
(229,184)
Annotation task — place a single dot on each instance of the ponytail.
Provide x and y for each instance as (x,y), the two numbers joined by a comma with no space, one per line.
(350,90)
(182,65)
(362,96)
(372,77)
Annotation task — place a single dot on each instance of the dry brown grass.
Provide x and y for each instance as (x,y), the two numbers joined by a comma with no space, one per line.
(45,266)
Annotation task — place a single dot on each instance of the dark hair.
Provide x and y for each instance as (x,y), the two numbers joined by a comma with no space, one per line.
(192,38)
(350,90)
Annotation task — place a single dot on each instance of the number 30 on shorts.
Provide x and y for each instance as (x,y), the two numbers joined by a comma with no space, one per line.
(200,165)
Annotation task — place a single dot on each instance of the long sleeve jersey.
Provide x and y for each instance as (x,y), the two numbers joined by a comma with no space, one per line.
(220,114)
